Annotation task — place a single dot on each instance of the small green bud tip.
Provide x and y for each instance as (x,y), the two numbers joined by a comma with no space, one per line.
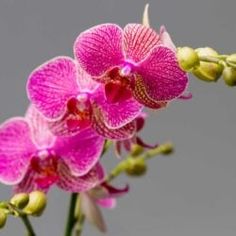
(231,60)
(188,58)
(167,149)
(136,150)
(20,200)
(3,218)
(136,167)
(208,71)
(37,203)
(229,76)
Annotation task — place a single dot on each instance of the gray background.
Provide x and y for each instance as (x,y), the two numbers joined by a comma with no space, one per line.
(193,192)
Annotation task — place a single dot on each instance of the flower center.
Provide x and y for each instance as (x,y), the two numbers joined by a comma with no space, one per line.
(119,85)
(80,111)
(44,164)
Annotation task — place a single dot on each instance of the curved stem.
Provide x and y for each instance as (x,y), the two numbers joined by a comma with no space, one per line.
(71,218)
(28,226)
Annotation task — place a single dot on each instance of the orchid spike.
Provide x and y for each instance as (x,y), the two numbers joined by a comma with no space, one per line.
(31,158)
(65,94)
(134,62)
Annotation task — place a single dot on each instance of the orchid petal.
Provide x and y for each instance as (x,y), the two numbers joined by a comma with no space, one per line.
(80,152)
(99,48)
(16,149)
(41,135)
(71,183)
(166,39)
(117,114)
(109,203)
(162,77)
(125,132)
(51,85)
(139,40)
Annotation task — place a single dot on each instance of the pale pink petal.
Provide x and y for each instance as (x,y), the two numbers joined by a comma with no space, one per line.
(41,135)
(92,212)
(166,39)
(51,85)
(85,81)
(16,150)
(117,114)
(81,151)
(99,48)
(109,203)
(162,77)
(100,127)
(139,40)
(71,183)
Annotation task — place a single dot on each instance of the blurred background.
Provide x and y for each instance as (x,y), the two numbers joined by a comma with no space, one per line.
(192,192)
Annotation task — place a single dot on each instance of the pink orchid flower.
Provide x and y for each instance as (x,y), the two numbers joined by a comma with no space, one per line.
(67,95)
(32,158)
(135,139)
(132,62)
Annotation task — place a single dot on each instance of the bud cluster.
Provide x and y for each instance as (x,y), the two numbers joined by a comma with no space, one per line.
(208,65)
(22,204)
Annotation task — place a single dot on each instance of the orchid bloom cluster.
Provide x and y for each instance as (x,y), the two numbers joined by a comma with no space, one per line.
(80,105)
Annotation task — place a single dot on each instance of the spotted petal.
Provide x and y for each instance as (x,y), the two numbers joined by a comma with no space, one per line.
(16,149)
(80,152)
(51,85)
(117,114)
(71,183)
(161,75)
(125,132)
(99,48)
(139,40)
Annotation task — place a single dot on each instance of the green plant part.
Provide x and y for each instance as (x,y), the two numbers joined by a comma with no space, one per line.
(208,71)
(136,167)
(229,76)
(20,200)
(3,218)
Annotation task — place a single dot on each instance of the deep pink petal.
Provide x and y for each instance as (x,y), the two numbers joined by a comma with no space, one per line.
(99,48)
(100,127)
(141,143)
(140,121)
(109,203)
(139,40)
(16,149)
(141,95)
(162,77)
(41,135)
(68,125)
(71,183)
(115,192)
(80,152)
(52,84)
(117,114)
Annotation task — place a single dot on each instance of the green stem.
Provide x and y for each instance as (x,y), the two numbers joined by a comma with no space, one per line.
(80,217)
(28,226)
(213,59)
(71,219)
(165,149)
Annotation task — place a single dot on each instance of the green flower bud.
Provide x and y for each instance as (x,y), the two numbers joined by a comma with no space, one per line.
(136,167)
(229,76)
(187,58)
(167,149)
(3,205)
(37,203)
(231,60)
(136,150)
(208,71)
(20,200)
(3,218)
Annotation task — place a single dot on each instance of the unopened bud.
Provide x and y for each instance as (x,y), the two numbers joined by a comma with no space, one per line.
(229,76)
(3,205)
(167,149)
(188,58)
(208,71)
(3,218)
(231,60)
(37,203)
(136,167)
(136,150)
(20,200)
